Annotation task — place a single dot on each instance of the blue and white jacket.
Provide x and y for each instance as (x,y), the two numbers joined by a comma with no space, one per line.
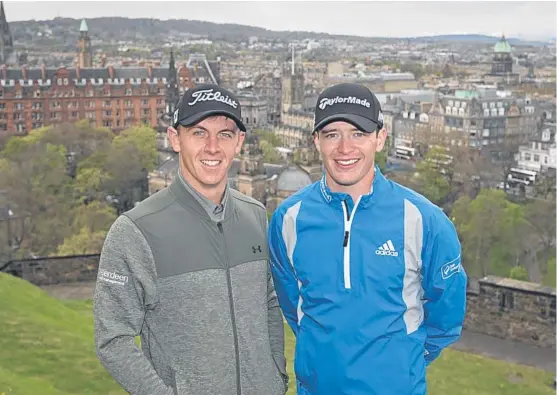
(373,290)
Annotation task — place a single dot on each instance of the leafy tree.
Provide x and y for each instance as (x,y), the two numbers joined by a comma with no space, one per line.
(519,273)
(268,142)
(432,181)
(486,226)
(60,177)
(84,242)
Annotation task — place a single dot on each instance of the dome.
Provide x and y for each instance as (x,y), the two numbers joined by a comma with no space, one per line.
(502,46)
(293,179)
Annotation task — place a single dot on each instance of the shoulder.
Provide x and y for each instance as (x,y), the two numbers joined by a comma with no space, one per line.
(432,216)
(245,202)
(302,197)
(151,205)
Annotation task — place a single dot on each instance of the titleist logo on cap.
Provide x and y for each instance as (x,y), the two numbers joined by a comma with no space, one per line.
(209,95)
(350,100)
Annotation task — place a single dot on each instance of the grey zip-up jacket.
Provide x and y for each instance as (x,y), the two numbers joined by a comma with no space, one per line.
(200,295)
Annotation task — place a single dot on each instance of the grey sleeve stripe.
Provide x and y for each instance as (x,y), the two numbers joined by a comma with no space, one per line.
(412,290)
(124,285)
(289,236)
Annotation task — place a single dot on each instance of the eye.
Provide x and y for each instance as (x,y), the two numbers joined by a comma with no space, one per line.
(198,132)
(358,134)
(227,135)
(331,135)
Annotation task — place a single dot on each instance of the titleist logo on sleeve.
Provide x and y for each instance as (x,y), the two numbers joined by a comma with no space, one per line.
(210,95)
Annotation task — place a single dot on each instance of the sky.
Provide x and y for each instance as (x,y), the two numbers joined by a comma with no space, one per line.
(529,20)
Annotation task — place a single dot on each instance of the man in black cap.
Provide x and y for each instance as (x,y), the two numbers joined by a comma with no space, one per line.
(188,270)
(368,273)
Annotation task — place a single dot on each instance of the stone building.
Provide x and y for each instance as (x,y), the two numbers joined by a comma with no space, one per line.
(512,309)
(502,65)
(254,110)
(108,96)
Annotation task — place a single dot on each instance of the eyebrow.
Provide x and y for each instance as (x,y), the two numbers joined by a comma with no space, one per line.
(207,130)
(336,130)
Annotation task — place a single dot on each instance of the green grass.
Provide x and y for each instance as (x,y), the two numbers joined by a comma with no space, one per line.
(46,348)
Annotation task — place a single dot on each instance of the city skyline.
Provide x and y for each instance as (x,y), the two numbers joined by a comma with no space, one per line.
(358,18)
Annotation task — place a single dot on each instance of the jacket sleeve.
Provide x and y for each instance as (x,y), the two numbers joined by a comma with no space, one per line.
(444,285)
(284,277)
(125,285)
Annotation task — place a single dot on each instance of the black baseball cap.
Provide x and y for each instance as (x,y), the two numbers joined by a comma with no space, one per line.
(350,103)
(204,101)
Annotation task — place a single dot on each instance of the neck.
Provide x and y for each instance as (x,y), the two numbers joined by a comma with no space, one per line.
(213,193)
(363,187)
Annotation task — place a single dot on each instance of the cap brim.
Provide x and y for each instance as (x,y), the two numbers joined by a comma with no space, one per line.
(363,124)
(194,119)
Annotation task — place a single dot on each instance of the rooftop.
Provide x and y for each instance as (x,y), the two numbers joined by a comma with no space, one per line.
(518,285)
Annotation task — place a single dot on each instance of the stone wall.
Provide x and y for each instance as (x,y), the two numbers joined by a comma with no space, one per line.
(55,270)
(496,306)
(512,309)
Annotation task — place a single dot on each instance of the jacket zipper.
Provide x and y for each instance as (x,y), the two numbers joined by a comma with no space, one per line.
(232,315)
(348,218)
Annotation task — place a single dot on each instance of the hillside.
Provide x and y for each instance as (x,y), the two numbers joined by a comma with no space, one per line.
(46,348)
(59,31)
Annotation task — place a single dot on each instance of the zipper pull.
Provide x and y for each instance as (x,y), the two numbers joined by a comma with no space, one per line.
(345,242)
(219,225)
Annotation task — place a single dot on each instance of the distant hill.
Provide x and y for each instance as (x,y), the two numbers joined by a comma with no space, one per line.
(155,30)
(478,38)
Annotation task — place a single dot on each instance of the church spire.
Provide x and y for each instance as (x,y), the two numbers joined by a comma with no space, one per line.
(172,91)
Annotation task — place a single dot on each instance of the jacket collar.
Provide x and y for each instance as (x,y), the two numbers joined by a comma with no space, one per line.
(190,203)
(336,197)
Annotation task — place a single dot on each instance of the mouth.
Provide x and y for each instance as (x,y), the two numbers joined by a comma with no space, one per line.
(346,162)
(211,163)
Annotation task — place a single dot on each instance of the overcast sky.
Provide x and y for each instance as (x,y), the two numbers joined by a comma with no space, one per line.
(522,19)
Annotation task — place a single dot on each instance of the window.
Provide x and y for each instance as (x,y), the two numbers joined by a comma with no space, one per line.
(507,300)
(536,158)
(527,157)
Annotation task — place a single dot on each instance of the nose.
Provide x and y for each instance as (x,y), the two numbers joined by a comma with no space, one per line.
(344,146)
(212,145)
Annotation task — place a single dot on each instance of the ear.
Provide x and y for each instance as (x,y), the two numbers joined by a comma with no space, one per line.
(174,138)
(241,138)
(316,141)
(381,140)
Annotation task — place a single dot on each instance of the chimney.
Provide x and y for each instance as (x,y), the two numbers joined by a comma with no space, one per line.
(24,72)
(43,72)
(150,71)
(78,72)
(111,71)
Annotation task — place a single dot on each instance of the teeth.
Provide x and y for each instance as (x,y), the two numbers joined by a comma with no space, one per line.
(347,162)
(211,162)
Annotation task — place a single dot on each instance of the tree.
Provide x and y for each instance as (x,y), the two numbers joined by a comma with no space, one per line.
(540,227)
(432,182)
(84,242)
(487,225)
(34,175)
(268,142)
(519,273)
(61,177)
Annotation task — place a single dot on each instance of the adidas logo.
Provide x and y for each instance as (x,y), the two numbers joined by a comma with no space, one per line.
(387,249)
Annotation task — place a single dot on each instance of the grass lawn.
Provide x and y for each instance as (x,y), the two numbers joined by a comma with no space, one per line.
(46,348)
